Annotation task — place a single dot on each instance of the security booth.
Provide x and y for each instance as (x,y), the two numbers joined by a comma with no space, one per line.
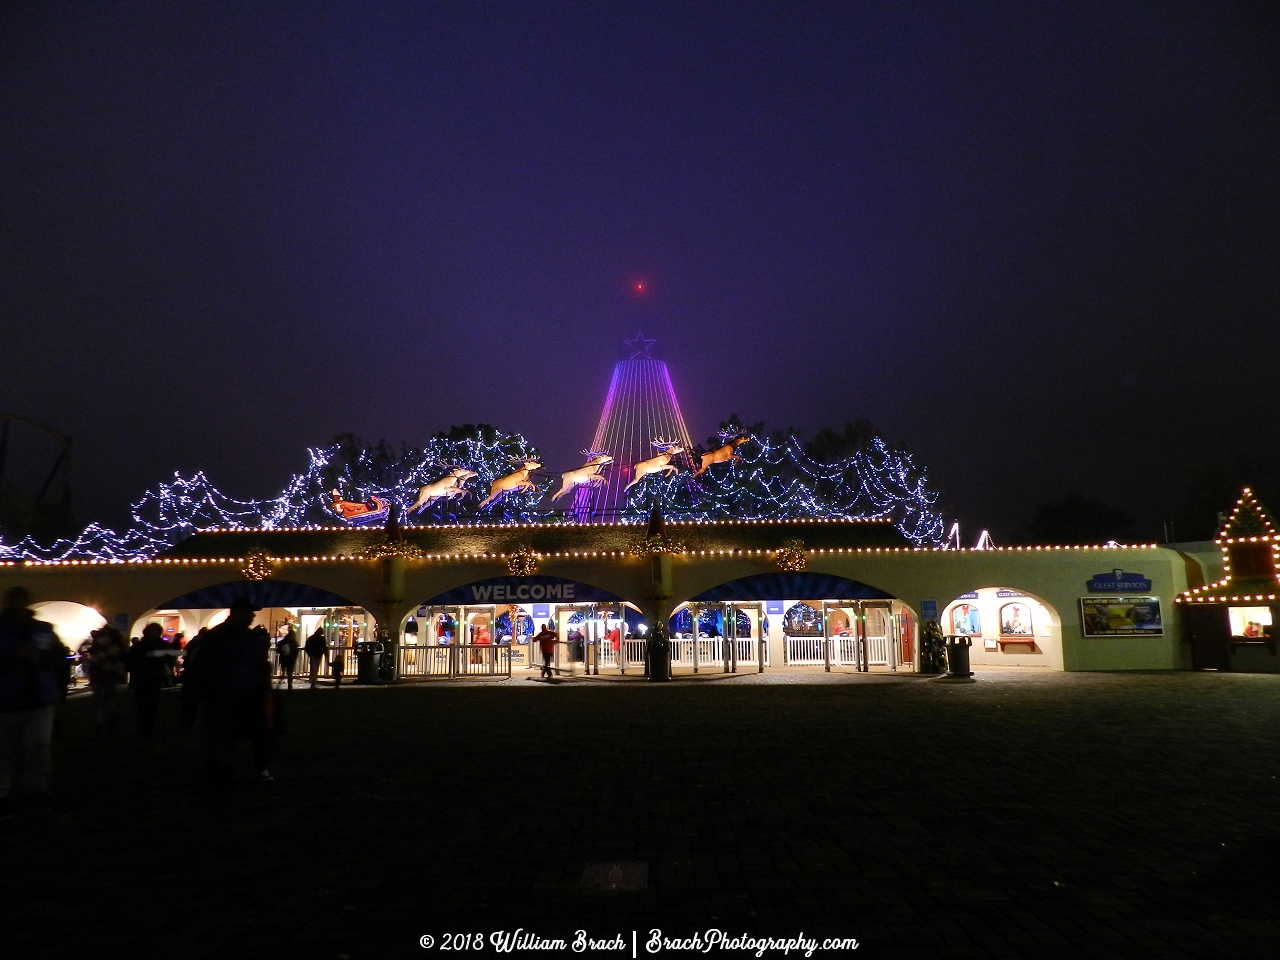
(1230,623)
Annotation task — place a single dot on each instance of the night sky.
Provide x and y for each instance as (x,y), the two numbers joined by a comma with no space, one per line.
(1040,246)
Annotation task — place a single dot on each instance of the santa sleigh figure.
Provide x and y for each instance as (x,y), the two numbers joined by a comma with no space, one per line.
(356,513)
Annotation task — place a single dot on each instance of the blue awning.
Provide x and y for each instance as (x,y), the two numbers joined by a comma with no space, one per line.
(535,589)
(792,586)
(263,593)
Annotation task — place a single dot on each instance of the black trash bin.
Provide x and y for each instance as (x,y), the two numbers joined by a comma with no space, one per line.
(958,656)
(659,653)
(368,661)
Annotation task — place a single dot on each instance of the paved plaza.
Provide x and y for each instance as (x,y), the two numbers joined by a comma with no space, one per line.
(1025,815)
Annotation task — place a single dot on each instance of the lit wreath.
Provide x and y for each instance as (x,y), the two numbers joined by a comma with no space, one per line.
(522,563)
(791,557)
(258,565)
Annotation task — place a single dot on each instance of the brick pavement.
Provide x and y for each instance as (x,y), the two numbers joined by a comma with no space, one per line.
(1027,815)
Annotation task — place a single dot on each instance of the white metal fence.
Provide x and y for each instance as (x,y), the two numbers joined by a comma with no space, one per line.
(806,651)
(455,660)
(628,657)
(302,664)
(710,652)
(426,661)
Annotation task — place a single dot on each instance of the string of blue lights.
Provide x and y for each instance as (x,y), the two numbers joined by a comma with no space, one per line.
(346,483)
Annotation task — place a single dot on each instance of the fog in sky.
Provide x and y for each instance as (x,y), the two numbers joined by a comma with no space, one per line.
(1037,243)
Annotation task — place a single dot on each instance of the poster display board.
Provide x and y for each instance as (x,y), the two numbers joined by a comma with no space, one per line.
(1121,617)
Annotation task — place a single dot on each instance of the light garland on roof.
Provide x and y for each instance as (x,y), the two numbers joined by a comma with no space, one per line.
(764,484)
(557,554)
(1255,518)
(173,511)
(767,481)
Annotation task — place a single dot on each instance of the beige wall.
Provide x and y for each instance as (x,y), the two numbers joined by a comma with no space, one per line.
(1055,577)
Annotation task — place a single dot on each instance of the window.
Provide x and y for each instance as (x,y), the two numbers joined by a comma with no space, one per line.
(1250,623)
(1015,620)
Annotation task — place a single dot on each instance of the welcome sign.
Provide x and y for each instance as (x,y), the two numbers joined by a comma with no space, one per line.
(539,589)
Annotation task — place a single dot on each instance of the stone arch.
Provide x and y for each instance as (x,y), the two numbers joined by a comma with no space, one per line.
(263,593)
(70,620)
(803,585)
(207,606)
(838,603)
(532,589)
(481,611)
(1007,627)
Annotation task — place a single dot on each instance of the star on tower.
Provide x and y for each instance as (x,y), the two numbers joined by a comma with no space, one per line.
(639,345)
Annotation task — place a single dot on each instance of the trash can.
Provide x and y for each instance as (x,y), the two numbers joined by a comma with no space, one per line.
(659,654)
(368,661)
(958,656)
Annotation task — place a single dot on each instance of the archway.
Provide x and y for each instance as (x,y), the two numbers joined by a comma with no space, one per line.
(72,622)
(285,605)
(1007,627)
(799,619)
(487,626)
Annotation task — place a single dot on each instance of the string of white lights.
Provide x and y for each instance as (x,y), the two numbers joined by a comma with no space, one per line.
(763,481)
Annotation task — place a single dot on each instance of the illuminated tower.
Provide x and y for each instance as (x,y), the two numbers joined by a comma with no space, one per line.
(640,408)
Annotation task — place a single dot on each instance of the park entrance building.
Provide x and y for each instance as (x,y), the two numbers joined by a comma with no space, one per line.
(857,604)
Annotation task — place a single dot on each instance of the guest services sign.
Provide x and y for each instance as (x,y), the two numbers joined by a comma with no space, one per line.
(1119,581)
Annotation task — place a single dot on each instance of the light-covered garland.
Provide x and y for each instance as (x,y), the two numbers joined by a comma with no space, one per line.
(764,481)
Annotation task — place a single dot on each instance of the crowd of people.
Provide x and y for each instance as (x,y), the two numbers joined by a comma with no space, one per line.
(225,670)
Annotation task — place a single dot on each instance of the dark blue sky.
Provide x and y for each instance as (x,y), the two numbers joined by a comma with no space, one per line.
(1037,243)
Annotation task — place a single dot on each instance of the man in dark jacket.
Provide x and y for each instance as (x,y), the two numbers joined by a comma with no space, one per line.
(316,646)
(191,679)
(287,652)
(149,667)
(34,669)
(233,676)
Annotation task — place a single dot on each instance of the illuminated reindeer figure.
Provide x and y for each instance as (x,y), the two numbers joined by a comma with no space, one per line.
(721,454)
(659,464)
(588,475)
(448,487)
(515,482)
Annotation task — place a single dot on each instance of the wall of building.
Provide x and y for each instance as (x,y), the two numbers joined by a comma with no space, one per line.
(1057,577)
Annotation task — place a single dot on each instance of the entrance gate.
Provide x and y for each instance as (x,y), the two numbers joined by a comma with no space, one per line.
(576,640)
(749,650)
(857,633)
(739,641)
(456,641)
(879,629)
